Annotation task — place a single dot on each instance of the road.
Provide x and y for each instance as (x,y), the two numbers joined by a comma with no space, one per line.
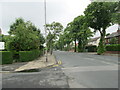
(78,70)
(51,77)
(89,70)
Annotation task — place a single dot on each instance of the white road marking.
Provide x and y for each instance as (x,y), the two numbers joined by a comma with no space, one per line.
(105,62)
(90,68)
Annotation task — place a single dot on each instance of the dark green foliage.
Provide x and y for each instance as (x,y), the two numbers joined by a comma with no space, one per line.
(99,16)
(92,48)
(101,48)
(15,56)
(113,47)
(7,57)
(54,30)
(25,56)
(24,36)
(113,41)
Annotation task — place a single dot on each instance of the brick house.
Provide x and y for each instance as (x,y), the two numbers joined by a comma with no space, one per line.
(113,37)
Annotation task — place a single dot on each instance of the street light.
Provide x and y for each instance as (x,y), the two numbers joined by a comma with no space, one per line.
(45,30)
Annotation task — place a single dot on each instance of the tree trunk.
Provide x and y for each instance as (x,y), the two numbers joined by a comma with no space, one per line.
(75,45)
(79,45)
(101,47)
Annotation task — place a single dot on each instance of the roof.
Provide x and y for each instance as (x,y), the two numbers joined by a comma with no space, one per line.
(115,34)
(94,39)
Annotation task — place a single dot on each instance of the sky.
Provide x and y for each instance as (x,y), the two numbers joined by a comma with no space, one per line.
(63,11)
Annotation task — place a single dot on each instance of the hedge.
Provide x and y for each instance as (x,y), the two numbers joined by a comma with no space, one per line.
(113,47)
(7,57)
(91,48)
(25,56)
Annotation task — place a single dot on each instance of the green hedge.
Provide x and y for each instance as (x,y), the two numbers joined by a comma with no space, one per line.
(25,56)
(7,57)
(91,48)
(113,47)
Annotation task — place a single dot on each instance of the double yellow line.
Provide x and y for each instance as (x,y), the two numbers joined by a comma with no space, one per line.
(58,64)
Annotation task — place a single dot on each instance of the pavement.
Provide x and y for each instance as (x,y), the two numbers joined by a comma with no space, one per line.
(40,63)
(45,75)
(36,64)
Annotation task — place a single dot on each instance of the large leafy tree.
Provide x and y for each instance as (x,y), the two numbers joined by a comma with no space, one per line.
(24,36)
(54,30)
(64,41)
(71,29)
(79,31)
(83,32)
(99,18)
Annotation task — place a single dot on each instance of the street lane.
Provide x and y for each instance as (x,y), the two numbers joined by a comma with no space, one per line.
(88,70)
(45,78)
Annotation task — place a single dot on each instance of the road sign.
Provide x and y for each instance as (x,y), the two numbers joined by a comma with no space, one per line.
(2,45)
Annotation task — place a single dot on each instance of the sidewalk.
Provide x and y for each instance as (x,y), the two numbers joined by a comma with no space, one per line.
(40,63)
(36,64)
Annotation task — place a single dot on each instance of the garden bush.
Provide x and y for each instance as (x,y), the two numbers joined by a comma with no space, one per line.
(113,47)
(91,48)
(7,57)
(25,56)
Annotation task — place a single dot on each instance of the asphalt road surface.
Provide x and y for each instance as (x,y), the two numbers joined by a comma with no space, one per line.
(78,70)
(51,77)
(88,70)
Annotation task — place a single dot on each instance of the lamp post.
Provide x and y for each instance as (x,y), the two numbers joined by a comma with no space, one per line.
(45,30)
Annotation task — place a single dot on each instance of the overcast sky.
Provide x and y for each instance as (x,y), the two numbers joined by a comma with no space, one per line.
(63,11)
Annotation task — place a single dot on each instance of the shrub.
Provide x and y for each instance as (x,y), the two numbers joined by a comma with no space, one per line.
(25,56)
(91,48)
(113,47)
(7,57)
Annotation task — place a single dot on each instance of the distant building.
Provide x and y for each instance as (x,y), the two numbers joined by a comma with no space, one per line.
(113,38)
(94,41)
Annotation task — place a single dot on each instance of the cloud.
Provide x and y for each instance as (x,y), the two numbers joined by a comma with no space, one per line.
(63,11)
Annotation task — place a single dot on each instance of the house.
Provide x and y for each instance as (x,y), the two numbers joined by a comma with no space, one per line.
(113,38)
(94,41)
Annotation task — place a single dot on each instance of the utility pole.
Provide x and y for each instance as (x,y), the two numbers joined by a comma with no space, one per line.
(45,30)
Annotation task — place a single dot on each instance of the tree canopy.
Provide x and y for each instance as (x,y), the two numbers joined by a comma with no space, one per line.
(54,30)
(98,16)
(24,36)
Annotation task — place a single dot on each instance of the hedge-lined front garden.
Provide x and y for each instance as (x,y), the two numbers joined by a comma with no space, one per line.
(91,48)
(7,57)
(25,56)
(113,47)
(22,56)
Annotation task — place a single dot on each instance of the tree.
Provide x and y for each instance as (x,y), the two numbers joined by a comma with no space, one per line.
(116,16)
(113,41)
(71,29)
(79,31)
(24,36)
(83,32)
(54,29)
(99,18)
(64,41)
